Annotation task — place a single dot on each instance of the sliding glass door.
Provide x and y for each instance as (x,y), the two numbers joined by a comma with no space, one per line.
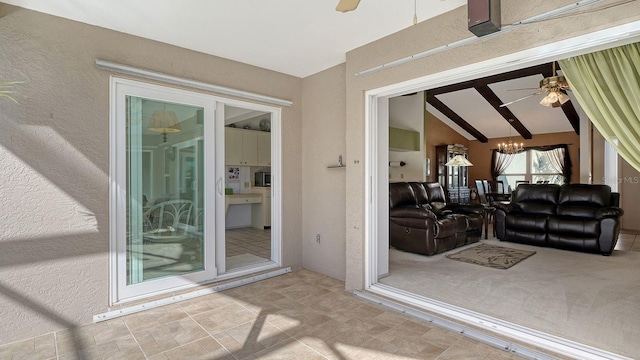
(166,183)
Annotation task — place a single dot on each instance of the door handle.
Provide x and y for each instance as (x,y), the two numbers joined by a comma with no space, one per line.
(219,186)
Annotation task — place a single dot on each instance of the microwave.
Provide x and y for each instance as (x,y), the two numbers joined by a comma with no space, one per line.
(263,179)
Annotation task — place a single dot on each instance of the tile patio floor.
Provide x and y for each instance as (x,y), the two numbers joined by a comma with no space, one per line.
(300,315)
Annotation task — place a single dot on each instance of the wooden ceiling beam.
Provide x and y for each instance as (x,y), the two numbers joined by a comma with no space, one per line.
(440,106)
(515,74)
(495,101)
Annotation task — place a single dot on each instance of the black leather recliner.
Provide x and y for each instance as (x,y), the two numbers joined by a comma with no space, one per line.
(580,217)
(421,221)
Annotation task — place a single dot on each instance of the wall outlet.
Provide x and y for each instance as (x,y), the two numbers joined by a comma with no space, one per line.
(247,184)
(318,238)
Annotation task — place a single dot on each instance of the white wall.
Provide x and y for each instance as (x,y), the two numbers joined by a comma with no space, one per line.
(323,193)
(407,112)
(54,155)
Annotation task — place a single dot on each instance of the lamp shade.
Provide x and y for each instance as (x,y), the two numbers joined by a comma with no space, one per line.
(164,121)
(459,160)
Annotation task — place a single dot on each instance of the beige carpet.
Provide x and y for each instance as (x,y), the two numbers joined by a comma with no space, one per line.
(497,257)
(591,299)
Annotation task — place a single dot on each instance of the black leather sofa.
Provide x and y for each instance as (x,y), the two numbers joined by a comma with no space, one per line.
(421,221)
(580,217)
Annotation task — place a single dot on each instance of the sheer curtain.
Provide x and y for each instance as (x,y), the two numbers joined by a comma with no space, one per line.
(499,163)
(559,159)
(607,86)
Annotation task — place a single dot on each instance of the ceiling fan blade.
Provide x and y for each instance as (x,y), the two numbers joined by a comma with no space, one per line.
(347,5)
(522,98)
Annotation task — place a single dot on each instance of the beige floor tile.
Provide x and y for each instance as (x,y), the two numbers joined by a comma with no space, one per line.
(41,347)
(301,315)
(207,348)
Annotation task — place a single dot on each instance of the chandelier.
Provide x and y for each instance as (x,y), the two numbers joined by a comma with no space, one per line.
(510,147)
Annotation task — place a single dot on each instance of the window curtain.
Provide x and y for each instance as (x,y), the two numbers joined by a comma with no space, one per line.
(499,163)
(607,86)
(559,158)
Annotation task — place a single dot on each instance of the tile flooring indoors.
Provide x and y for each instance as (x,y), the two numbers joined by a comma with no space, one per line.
(299,315)
(247,246)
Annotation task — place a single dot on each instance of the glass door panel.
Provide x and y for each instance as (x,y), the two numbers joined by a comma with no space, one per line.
(164,208)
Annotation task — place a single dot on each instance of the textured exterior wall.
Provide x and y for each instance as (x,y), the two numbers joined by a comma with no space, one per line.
(323,194)
(444,29)
(54,155)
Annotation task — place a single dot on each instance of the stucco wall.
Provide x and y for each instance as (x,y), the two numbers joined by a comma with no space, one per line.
(439,31)
(323,193)
(54,155)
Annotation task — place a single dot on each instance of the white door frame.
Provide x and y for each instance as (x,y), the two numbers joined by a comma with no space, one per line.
(214,180)
(376,145)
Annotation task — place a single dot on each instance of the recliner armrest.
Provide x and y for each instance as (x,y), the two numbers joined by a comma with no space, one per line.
(609,212)
(507,208)
(415,213)
(465,208)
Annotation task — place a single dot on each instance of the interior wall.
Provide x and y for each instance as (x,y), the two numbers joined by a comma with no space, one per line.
(435,32)
(629,187)
(480,153)
(54,152)
(323,194)
(407,112)
(438,133)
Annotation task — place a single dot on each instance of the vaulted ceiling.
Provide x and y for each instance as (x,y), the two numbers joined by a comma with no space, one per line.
(473,108)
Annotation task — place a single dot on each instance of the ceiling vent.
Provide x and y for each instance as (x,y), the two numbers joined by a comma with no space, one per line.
(484,16)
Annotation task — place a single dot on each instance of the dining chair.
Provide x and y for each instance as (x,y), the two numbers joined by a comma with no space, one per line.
(170,215)
(489,209)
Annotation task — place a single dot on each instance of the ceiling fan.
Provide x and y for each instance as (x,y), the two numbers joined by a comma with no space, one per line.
(555,88)
(347,5)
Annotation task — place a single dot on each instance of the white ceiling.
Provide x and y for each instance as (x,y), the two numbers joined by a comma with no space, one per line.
(474,109)
(296,37)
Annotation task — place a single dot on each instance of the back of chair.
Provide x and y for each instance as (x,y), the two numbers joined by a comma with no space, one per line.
(482,195)
(168,214)
(496,186)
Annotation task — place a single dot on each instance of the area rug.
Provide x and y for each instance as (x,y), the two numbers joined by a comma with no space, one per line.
(492,256)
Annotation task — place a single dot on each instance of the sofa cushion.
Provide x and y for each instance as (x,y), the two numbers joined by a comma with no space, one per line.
(583,200)
(536,198)
(419,192)
(527,222)
(574,226)
(585,194)
(401,195)
(435,193)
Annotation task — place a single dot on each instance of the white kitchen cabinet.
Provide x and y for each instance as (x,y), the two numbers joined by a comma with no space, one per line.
(264,149)
(261,213)
(241,147)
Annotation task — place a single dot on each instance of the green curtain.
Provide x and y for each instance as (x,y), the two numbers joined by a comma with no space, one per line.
(607,86)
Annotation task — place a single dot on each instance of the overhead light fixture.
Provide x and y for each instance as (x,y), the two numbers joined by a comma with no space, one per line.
(555,87)
(164,122)
(510,147)
(554,99)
